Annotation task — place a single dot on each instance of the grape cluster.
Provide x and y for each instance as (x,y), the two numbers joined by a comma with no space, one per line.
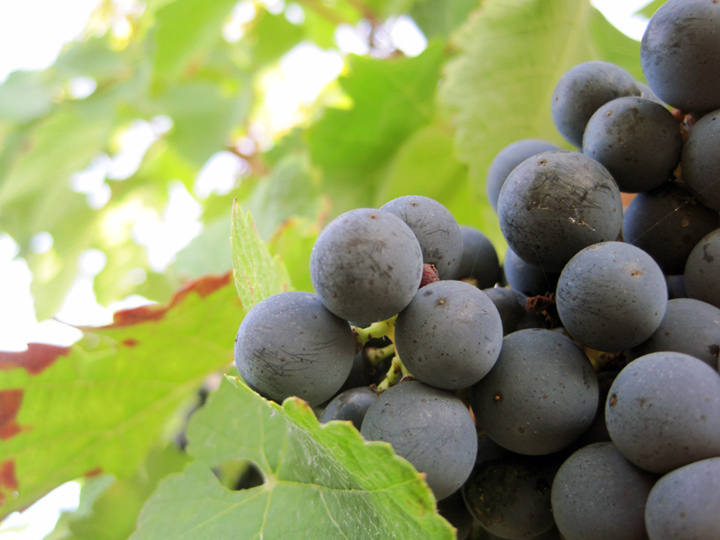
(573,392)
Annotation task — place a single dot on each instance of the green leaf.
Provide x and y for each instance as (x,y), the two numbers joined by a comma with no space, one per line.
(271,37)
(185,31)
(390,99)
(291,189)
(257,274)
(100,405)
(25,96)
(93,58)
(203,117)
(513,52)
(614,46)
(208,252)
(321,481)
(650,9)
(115,505)
(292,243)
(440,19)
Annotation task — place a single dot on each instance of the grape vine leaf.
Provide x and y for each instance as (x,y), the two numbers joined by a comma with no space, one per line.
(512,53)
(258,275)
(320,481)
(99,405)
(390,99)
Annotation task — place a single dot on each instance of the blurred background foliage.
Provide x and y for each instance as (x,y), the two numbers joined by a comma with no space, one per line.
(166,101)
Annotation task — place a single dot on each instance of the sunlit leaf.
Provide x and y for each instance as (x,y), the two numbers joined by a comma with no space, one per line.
(320,481)
(98,406)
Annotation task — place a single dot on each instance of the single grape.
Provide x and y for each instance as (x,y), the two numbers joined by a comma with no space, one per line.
(678,54)
(349,405)
(429,427)
(637,140)
(556,203)
(702,270)
(598,495)
(366,265)
(583,90)
(684,503)
(690,326)
(611,296)
(435,228)
(540,396)
(291,345)
(663,411)
(667,223)
(700,160)
(450,335)
(527,278)
(479,259)
(510,495)
(507,159)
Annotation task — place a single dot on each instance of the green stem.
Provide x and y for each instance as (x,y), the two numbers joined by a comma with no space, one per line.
(376,355)
(396,372)
(375,330)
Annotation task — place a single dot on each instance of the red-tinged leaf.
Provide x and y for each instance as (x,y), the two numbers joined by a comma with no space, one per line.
(8,482)
(10,401)
(101,404)
(34,360)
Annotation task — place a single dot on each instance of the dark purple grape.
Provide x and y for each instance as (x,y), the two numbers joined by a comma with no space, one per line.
(701,160)
(450,335)
(702,270)
(583,90)
(429,427)
(291,345)
(611,296)
(479,259)
(366,265)
(510,495)
(540,396)
(637,140)
(349,405)
(507,159)
(512,307)
(599,495)
(435,228)
(679,54)
(684,503)
(556,203)
(453,509)
(689,326)
(667,223)
(663,411)
(527,278)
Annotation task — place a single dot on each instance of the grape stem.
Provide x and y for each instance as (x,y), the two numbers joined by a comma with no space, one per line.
(376,355)
(396,372)
(375,330)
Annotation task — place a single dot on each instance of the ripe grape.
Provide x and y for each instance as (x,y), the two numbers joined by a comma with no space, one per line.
(366,265)
(352,404)
(429,427)
(684,503)
(582,91)
(702,270)
(291,345)
(450,335)
(678,54)
(527,278)
(556,203)
(611,296)
(540,396)
(507,159)
(637,140)
(700,160)
(435,228)
(663,411)
(479,259)
(597,495)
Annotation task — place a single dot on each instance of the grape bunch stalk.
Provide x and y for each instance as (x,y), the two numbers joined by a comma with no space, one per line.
(572,392)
